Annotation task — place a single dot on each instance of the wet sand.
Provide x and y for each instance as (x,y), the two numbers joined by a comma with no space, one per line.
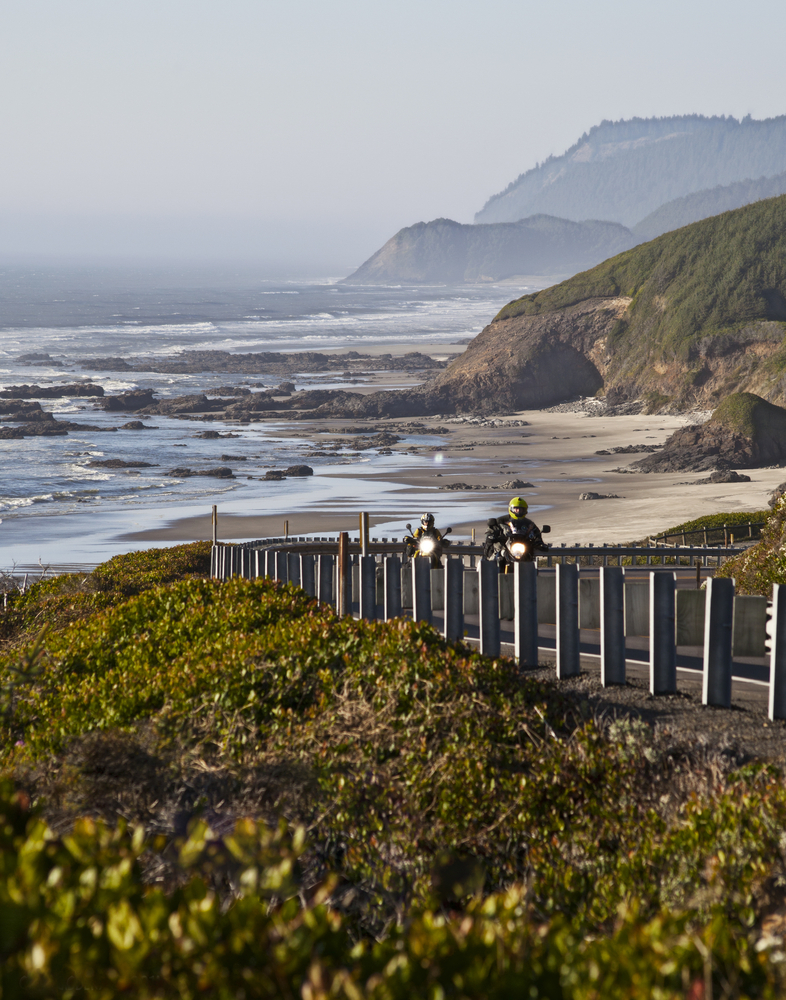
(555,452)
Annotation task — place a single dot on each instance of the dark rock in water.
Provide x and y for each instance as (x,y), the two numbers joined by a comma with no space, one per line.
(134,399)
(230,390)
(744,431)
(725,476)
(220,473)
(8,433)
(30,415)
(299,470)
(119,463)
(47,428)
(137,425)
(233,458)
(52,391)
(275,474)
(776,494)
(213,435)
(106,364)
(9,406)
(195,403)
(286,388)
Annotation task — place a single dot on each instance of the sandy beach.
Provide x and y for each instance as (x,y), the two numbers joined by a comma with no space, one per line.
(555,452)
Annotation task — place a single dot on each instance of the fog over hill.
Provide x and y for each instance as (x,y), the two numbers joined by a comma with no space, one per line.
(623,171)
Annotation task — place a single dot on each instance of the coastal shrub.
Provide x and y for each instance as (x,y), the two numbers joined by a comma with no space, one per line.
(762,565)
(79,918)
(71,597)
(469,831)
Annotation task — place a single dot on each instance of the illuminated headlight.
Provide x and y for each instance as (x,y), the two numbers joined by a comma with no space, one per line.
(427,546)
(518,549)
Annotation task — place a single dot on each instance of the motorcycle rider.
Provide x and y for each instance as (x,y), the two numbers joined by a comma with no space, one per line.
(427,529)
(515,521)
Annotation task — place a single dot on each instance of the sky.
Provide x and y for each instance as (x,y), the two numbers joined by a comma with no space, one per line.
(300,133)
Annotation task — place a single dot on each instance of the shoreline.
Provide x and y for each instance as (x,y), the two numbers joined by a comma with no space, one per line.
(555,452)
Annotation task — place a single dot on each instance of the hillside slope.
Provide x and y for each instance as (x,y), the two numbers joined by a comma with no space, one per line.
(681,321)
(624,170)
(703,204)
(448,252)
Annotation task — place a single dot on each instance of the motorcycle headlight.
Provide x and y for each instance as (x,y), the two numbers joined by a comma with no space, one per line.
(427,546)
(518,549)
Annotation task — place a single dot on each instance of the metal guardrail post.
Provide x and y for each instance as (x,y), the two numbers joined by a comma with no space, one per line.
(453,620)
(612,625)
(391,571)
(663,649)
(213,561)
(718,618)
(776,631)
(214,524)
(368,587)
(307,581)
(344,588)
(568,650)
(525,613)
(488,606)
(364,534)
(325,570)
(421,590)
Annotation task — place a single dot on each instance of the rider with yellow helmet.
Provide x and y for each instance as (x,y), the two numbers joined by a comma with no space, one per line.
(514,523)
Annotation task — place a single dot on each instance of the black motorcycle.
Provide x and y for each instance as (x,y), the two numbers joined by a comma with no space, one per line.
(511,543)
(428,543)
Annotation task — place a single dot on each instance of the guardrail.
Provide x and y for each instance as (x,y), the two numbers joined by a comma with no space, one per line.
(731,533)
(368,577)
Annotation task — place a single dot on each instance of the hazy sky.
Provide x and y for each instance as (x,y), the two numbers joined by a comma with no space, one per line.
(312,131)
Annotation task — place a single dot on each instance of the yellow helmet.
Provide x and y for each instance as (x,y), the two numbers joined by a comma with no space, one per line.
(517,508)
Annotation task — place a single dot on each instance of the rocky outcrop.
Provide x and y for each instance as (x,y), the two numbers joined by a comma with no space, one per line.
(51,391)
(130,401)
(745,431)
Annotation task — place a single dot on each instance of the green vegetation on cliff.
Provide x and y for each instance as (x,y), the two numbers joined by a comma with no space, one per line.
(301,806)
(698,296)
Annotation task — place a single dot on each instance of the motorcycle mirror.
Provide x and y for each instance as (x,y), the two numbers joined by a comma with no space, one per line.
(409,528)
(492,522)
(447,531)
(545,529)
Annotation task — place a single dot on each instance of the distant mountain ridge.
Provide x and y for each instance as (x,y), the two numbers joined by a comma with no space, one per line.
(703,204)
(447,252)
(624,171)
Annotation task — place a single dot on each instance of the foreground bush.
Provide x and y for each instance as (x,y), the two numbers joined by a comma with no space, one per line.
(76,918)
(469,832)
(762,565)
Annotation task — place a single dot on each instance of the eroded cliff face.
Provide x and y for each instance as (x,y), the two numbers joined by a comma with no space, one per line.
(532,361)
(528,362)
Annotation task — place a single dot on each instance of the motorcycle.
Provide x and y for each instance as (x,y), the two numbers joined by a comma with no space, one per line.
(430,544)
(511,543)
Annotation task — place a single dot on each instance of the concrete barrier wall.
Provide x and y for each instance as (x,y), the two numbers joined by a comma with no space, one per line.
(637,608)
(471,605)
(748,631)
(506,608)
(438,589)
(589,603)
(690,605)
(547,599)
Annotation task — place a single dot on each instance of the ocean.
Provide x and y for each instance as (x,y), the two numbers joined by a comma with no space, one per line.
(57,509)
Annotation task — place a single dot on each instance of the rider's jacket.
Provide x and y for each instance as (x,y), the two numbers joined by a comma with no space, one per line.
(505,525)
(418,533)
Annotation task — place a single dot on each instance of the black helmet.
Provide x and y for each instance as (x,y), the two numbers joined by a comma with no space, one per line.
(427,520)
